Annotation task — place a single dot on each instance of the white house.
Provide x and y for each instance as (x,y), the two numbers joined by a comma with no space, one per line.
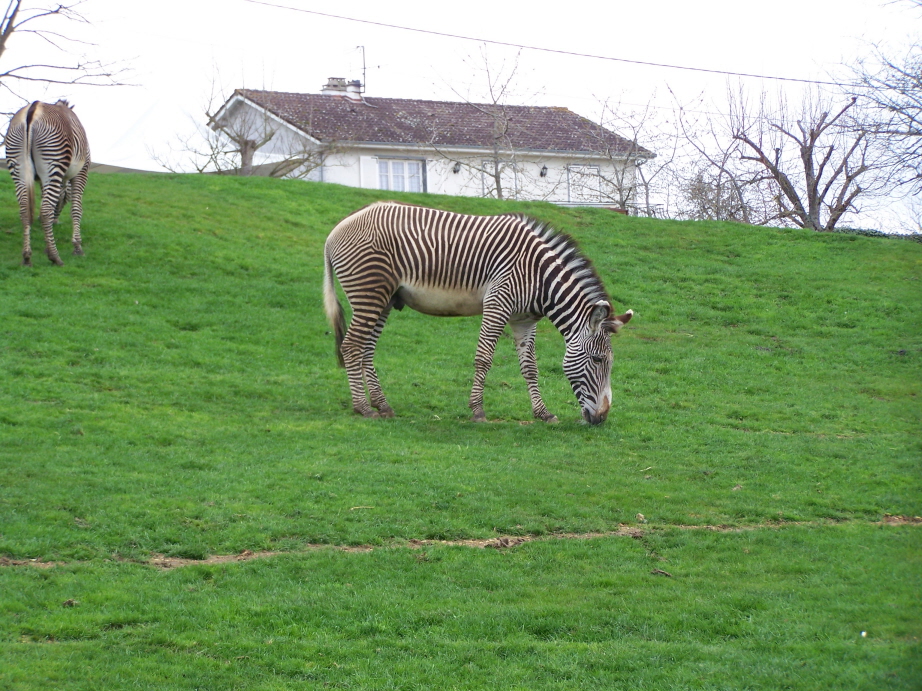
(521,152)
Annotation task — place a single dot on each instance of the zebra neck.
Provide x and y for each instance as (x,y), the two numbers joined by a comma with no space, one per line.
(565,302)
(568,318)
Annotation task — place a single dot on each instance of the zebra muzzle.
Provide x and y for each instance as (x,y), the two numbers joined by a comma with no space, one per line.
(600,415)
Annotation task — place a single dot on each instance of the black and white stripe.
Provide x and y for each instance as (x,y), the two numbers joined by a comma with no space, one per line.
(510,268)
(47,143)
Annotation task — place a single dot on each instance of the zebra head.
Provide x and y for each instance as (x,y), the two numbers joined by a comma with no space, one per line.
(588,359)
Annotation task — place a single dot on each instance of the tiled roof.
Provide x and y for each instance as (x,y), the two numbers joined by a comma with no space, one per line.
(408,121)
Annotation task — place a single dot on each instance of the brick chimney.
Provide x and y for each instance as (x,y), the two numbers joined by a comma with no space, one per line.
(354,90)
(337,86)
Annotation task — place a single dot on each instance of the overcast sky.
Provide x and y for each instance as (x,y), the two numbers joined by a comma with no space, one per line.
(173,50)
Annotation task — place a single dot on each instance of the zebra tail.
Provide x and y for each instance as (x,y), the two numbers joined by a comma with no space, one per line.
(334,310)
(27,165)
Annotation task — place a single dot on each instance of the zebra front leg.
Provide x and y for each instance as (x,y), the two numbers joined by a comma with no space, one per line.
(490,331)
(375,394)
(77,186)
(524,334)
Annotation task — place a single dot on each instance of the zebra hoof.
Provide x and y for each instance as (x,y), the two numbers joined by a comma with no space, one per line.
(27,261)
(386,412)
(552,420)
(479,418)
(78,251)
(56,261)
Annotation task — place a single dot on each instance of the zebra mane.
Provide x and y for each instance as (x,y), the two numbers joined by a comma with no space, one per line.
(571,257)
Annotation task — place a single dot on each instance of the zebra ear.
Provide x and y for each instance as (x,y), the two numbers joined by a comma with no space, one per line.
(615,324)
(599,316)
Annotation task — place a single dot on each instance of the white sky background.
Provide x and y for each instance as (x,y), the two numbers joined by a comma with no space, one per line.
(173,49)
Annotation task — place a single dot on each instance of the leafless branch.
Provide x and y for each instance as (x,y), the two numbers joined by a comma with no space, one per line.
(38,23)
(891,92)
(228,142)
(821,165)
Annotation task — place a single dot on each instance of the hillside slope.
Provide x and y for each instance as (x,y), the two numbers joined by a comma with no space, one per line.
(787,358)
(174,395)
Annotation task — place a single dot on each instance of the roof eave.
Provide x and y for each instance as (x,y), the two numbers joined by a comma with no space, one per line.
(241,98)
(456,149)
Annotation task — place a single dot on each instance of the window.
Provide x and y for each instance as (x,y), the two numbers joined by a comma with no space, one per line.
(401,176)
(585,184)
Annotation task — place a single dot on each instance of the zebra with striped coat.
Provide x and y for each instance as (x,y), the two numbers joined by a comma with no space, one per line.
(46,142)
(510,268)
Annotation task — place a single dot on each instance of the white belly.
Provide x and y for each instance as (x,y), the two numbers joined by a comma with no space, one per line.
(442,303)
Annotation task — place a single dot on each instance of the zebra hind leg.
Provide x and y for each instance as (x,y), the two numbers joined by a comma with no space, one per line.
(359,345)
(25,215)
(26,245)
(76,206)
(51,192)
(375,394)
(524,335)
(62,201)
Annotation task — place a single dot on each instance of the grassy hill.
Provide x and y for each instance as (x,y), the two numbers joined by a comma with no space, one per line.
(175,392)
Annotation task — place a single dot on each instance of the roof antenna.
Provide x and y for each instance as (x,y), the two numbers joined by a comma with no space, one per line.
(362,48)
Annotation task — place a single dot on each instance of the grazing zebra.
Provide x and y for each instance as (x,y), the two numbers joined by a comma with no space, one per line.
(510,268)
(47,143)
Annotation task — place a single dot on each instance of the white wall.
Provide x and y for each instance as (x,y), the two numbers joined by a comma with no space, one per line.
(359,168)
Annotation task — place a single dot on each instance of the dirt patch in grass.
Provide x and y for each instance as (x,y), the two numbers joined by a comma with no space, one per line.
(162,561)
(4,561)
(901,520)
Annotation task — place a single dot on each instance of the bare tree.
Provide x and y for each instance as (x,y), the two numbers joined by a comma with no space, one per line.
(227,142)
(712,180)
(891,90)
(821,165)
(710,193)
(635,175)
(500,169)
(43,26)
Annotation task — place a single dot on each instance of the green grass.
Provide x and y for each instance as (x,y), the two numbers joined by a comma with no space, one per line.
(562,614)
(175,391)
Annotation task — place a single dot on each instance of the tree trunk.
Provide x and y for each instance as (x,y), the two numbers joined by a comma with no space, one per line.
(247,149)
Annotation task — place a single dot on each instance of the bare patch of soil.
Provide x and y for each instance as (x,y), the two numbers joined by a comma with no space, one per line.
(901,520)
(38,563)
(162,561)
